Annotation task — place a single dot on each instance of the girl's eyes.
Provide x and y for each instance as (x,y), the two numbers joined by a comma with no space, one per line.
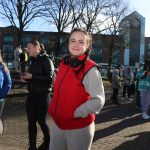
(71,41)
(80,42)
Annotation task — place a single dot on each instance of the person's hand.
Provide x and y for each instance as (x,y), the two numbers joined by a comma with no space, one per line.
(76,113)
(80,112)
(26,76)
(145,73)
(21,75)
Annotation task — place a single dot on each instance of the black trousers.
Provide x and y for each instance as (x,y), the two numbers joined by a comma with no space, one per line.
(115,95)
(128,90)
(36,109)
(23,66)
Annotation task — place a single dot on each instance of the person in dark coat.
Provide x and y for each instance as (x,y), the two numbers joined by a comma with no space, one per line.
(39,79)
(23,60)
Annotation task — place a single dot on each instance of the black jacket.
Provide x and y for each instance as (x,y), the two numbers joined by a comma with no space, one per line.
(42,70)
(22,57)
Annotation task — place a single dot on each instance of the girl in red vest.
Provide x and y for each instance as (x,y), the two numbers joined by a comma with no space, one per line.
(78,96)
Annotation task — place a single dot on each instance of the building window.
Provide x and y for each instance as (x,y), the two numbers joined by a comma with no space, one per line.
(8,53)
(148,45)
(64,49)
(26,39)
(96,53)
(62,40)
(8,39)
(115,56)
(44,40)
(97,48)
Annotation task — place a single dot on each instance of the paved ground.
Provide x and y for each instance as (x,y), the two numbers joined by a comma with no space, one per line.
(117,127)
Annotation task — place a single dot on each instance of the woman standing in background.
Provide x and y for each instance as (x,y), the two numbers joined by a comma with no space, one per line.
(39,77)
(143,75)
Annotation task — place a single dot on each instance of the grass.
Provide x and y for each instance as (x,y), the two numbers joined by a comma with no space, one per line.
(106,84)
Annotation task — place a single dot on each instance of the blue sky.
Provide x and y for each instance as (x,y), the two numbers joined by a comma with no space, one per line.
(141,6)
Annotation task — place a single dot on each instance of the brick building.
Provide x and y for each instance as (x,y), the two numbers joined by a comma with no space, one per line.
(8,42)
(147,48)
(9,39)
(133,26)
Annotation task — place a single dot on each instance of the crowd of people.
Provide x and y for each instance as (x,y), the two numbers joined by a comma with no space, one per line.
(73,113)
(122,77)
(136,83)
(21,59)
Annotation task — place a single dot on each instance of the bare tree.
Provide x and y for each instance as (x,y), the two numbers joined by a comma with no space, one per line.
(92,13)
(115,43)
(67,14)
(62,14)
(20,13)
(78,8)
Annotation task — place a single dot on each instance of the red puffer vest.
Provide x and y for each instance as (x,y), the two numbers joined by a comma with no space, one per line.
(69,94)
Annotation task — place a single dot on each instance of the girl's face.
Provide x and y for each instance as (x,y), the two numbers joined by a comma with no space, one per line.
(32,50)
(77,44)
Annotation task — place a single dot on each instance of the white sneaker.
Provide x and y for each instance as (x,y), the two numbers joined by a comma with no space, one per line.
(123,98)
(130,99)
(145,116)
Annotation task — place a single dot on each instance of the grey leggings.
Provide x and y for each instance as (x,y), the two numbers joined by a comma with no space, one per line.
(145,100)
(77,139)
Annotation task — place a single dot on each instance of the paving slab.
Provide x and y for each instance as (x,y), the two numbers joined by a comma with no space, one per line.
(118,127)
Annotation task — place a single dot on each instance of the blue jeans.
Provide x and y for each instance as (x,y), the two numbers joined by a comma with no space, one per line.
(115,95)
